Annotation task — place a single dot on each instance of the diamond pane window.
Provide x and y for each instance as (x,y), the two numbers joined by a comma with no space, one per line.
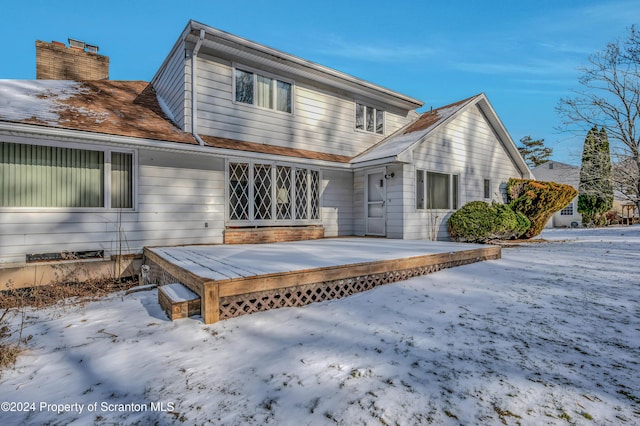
(262,191)
(283,193)
(238,191)
(263,194)
(314,195)
(301,194)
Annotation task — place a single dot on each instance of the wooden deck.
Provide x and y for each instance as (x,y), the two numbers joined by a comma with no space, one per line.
(233,280)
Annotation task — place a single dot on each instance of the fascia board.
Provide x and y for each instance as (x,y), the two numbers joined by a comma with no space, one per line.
(242,48)
(379,162)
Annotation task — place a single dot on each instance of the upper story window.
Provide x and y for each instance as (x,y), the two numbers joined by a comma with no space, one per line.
(263,91)
(369,119)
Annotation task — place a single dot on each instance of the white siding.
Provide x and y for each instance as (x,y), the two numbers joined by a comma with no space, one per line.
(468,147)
(322,120)
(171,85)
(180,194)
(337,203)
(359,225)
(177,195)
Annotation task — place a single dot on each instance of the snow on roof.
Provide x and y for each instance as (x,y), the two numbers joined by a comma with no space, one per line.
(36,100)
(399,142)
(123,108)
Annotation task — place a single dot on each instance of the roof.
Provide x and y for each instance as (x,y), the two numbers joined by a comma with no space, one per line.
(224,143)
(239,47)
(395,147)
(407,137)
(558,172)
(122,108)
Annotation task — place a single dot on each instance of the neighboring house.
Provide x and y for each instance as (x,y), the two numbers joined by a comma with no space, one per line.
(233,141)
(553,171)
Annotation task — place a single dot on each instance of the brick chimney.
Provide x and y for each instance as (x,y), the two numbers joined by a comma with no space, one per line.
(56,61)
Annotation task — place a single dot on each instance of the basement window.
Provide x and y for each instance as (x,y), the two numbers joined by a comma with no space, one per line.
(65,255)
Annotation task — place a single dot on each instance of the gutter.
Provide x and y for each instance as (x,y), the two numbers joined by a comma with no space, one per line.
(194,97)
(305,66)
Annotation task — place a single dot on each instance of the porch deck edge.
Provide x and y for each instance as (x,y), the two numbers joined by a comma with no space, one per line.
(255,293)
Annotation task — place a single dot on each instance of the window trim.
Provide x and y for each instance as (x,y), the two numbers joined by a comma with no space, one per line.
(486,189)
(106,150)
(375,119)
(274,221)
(274,85)
(454,190)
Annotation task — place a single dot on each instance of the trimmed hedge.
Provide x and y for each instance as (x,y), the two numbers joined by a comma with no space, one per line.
(478,221)
(538,201)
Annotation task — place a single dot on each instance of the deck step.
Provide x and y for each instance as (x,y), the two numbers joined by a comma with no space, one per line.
(178,301)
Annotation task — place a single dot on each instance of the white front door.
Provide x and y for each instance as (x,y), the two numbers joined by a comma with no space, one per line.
(375,209)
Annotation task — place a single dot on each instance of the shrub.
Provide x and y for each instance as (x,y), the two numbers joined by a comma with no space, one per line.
(478,221)
(538,201)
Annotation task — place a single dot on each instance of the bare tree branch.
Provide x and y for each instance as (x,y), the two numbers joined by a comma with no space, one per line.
(610,98)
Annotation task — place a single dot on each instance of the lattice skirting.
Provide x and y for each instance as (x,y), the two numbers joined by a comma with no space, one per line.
(234,306)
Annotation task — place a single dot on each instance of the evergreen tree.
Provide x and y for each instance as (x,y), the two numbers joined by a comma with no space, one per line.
(595,191)
(533,151)
(606,175)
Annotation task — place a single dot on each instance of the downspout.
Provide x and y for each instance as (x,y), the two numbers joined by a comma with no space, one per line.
(194,97)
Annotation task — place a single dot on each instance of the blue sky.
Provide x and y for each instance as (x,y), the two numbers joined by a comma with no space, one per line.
(524,55)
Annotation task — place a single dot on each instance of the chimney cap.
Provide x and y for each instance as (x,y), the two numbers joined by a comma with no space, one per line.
(77,43)
(91,48)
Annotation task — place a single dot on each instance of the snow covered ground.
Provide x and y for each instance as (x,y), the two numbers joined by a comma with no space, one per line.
(549,334)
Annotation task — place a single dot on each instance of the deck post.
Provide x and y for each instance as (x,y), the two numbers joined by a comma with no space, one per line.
(210,303)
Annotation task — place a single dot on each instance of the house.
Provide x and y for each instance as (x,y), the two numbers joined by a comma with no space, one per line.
(232,141)
(555,171)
